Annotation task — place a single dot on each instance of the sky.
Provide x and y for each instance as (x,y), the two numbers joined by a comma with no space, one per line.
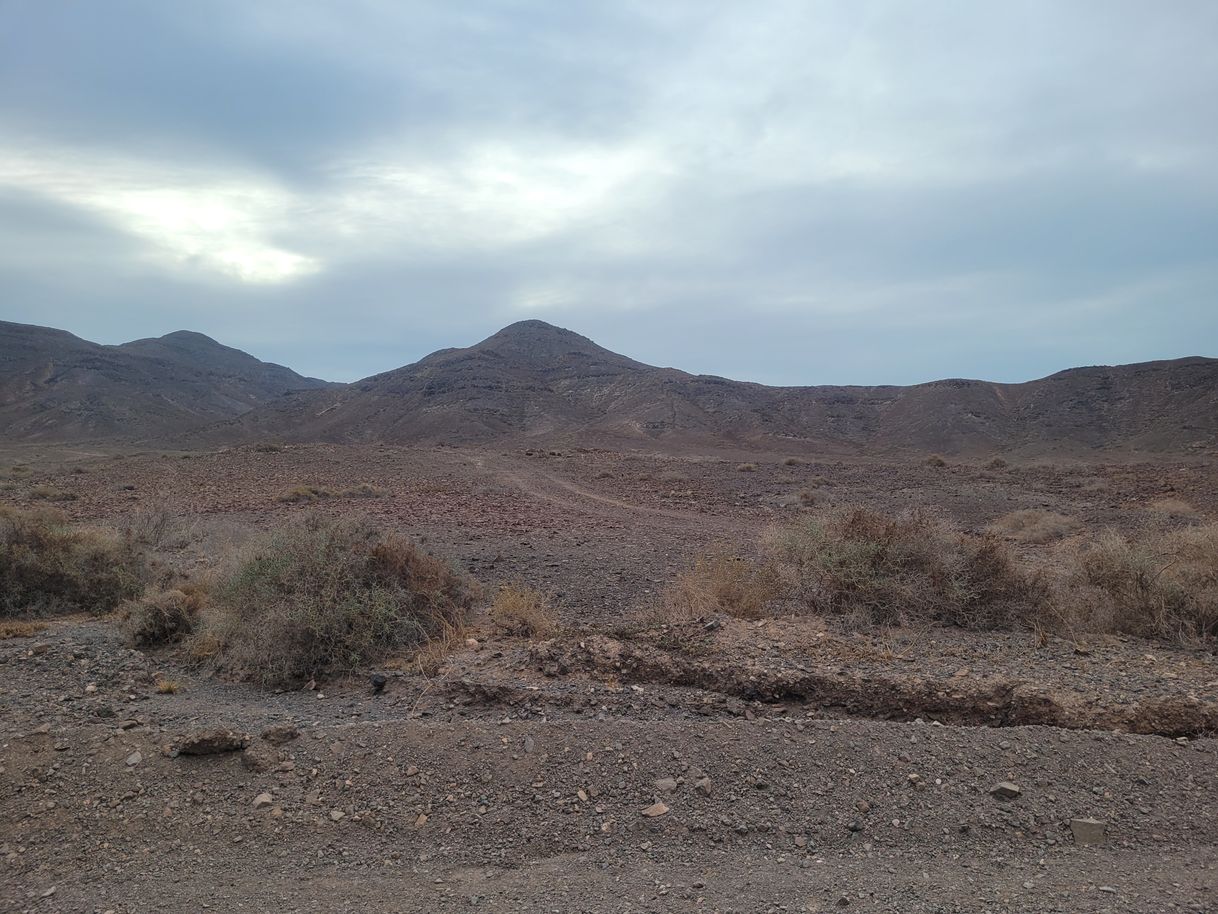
(798,192)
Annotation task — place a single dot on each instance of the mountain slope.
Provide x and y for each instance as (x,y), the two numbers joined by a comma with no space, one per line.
(532,380)
(57,387)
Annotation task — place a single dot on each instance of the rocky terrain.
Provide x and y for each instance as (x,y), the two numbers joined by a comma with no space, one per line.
(786,764)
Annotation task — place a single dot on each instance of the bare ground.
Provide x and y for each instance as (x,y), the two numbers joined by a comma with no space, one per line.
(803,768)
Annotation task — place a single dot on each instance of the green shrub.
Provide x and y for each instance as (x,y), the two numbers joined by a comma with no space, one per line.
(329,597)
(48,566)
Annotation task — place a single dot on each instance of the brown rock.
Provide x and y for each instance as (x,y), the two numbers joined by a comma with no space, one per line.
(212,742)
(655,810)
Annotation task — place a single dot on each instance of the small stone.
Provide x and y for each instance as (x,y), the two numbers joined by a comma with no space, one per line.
(134,759)
(1088,831)
(421,820)
(529,744)
(667,785)
(703,786)
(1006,790)
(655,810)
(336,815)
(263,800)
(471,642)
(378,681)
(91,688)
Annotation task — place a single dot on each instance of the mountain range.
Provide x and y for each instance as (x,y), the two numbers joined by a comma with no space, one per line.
(534,381)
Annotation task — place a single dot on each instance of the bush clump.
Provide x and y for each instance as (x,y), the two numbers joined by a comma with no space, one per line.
(48,566)
(911,568)
(1165,586)
(329,597)
(523,611)
(1032,525)
(724,583)
(162,618)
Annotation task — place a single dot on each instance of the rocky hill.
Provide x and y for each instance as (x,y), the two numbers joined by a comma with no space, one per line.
(533,380)
(57,387)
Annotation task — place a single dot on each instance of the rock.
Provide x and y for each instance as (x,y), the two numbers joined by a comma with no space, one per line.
(703,786)
(1088,831)
(1005,790)
(134,759)
(336,815)
(421,820)
(655,810)
(378,681)
(667,785)
(280,734)
(212,742)
(528,744)
(263,800)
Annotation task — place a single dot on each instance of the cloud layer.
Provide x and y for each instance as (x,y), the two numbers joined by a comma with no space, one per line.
(791,192)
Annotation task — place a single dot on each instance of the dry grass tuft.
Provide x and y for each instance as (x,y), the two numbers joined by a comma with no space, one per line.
(309,494)
(997,463)
(934,460)
(746,468)
(1164,586)
(794,462)
(1032,525)
(523,611)
(1172,507)
(162,618)
(49,566)
(19,628)
(723,583)
(50,493)
(166,687)
(327,597)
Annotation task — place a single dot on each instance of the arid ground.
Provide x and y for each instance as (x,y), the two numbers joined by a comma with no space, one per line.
(790,762)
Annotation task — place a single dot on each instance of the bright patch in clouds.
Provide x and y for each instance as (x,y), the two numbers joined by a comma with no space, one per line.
(188,220)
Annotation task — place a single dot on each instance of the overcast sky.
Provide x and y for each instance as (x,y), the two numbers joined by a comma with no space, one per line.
(789,192)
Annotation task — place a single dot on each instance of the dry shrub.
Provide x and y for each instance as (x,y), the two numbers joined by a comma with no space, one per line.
(1172,507)
(794,462)
(166,687)
(524,611)
(934,460)
(50,493)
(162,618)
(49,566)
(996,463)
(908,569)
(723,583)
(19,628)
(807,497)
(1032,525)
(306,494)
(1165,586)
(746,468)
(328,596)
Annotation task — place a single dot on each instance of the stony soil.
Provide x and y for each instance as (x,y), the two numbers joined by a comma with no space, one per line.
(787,766)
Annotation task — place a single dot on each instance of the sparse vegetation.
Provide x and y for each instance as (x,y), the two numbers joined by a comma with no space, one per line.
(1172,507)
(19,628)
(166,687)
(50,493)
(1164,586)
(794,462)
(1032,525)
(524,611)
(912,568)
(49,566)
(934,460)
(307,494)
(996,463)
(746,468)
(328,597)
(726,583)
(162,618)
(807,498)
